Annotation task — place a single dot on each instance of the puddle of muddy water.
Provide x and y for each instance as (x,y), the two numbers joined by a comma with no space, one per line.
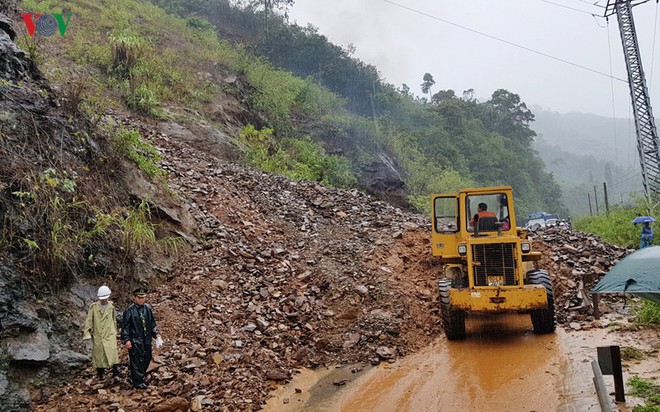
(314,390)
(501,366)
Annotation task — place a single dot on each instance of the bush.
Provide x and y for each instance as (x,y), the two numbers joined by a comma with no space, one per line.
(137,230)
(338,172)
(199,24)
(296,158)
(127,49)
(130,144)
(143,99)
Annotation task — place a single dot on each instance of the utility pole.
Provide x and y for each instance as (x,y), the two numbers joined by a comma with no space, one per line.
(648,145)
(607,204)
(591,212)
(596,199)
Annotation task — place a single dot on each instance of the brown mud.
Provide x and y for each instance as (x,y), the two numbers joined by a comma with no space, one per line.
(501,365)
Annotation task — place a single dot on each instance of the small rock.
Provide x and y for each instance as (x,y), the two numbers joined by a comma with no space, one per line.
(575,326)
(385,353)
(277,375)
(362,290)
(171,405)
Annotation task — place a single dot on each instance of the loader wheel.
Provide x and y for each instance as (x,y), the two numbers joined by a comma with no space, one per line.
(453,321)
(543,320)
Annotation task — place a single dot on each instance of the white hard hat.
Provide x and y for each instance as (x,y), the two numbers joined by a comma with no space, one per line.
(104,292)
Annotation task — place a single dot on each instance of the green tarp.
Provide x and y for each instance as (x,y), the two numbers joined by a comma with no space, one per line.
(638,274)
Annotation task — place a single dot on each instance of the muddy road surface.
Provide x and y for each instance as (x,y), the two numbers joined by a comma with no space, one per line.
(501,366)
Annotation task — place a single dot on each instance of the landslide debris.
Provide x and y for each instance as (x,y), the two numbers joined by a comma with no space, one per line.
(576,262)
(288,274)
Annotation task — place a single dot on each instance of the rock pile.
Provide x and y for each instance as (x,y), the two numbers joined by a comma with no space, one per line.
(284,274)
(576,262)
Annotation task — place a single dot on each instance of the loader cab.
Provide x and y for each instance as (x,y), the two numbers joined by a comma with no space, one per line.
(454,217)
(488,212)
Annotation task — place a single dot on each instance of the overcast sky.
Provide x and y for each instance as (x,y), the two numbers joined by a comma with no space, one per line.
(404,44)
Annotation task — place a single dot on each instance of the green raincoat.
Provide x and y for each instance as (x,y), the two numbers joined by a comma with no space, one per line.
(101,327)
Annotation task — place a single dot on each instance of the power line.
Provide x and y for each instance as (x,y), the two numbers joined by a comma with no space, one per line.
(655,26)
(609,51)
(591,3)
(503,41)
(598,23)
(634,174)
(627,174)
(569,8)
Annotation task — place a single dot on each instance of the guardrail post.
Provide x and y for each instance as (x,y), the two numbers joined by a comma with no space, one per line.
(601,390)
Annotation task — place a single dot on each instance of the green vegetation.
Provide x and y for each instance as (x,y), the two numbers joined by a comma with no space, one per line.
(295,158)
(50,224)
(629,353)
(648,313)
(130,144)
(136,228)
(647,390)
(616,227)
(5,359)
(148,59)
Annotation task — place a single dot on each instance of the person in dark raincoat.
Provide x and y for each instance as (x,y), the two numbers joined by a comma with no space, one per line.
(138,329)
(647,236)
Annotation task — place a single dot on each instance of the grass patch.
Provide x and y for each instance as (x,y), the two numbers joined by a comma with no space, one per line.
(131,145)
(617,227)
(295,158)
(137,230)
(647,390)
(168,59)
(629,353)
(648,313)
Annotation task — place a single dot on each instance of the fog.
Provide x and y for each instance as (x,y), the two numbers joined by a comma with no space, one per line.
(404,39)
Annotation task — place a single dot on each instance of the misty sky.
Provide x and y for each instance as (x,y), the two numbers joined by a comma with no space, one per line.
(404,45)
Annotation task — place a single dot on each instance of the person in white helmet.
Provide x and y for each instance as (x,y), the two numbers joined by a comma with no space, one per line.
(101,327)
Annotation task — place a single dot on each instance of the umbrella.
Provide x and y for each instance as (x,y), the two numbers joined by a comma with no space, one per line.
(643,219)
(638,274)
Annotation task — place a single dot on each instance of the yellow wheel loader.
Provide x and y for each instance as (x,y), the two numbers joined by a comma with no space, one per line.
(488,261)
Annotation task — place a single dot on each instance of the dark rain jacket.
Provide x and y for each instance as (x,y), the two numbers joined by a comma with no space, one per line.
(138,325)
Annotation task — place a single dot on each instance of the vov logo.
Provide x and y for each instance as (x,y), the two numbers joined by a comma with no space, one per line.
(46,24)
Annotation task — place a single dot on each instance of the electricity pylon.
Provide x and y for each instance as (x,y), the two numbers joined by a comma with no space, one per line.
(647,134)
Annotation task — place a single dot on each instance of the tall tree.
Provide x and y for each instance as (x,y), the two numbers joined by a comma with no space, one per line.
(443,96)
(269,6)
(428,82)
(509,116)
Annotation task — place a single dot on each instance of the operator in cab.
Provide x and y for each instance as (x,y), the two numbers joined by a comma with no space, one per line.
(482,211)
